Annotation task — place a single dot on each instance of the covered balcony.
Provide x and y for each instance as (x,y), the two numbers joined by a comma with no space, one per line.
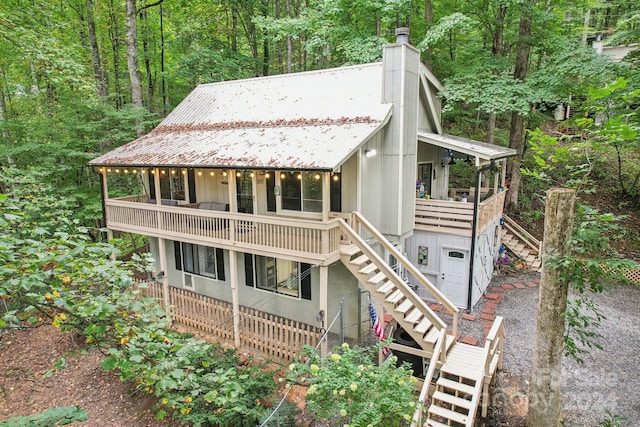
(310,241)
(455,216)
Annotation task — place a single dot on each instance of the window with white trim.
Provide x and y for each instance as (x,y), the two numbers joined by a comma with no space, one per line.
(278,275)
(301,191)
(203,261)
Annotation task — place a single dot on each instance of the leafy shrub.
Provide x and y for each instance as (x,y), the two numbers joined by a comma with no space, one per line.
(347,388)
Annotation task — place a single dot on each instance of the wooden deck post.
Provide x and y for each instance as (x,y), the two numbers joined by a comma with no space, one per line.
(326,196)
(544,394)
(233,267)
(162,251)
(322,304)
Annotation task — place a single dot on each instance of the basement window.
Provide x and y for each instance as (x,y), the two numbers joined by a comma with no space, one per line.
(278,275)
(203,261)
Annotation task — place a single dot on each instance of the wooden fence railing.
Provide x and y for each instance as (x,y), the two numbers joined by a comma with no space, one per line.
(293,237)
(453,217)
(272,335)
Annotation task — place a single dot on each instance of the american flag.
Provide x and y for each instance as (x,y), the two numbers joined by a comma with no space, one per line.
(378,329)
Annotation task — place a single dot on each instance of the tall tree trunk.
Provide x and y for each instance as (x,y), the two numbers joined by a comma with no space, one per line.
(544,393)
(144,18)
(289,40)
(132,60)
(4,119)
(516,131)
(114,36)
(234,28)
(132,56)
(497,50)
(165,98)
(98,71)
(428,19)
(491,128)
(265,41)
(278,44)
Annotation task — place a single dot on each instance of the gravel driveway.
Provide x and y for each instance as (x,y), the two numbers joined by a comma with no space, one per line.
(608,380)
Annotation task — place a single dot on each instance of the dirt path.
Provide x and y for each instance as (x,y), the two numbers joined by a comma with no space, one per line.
(28,386)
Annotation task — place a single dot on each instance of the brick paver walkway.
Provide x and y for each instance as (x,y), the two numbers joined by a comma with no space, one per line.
(489,302)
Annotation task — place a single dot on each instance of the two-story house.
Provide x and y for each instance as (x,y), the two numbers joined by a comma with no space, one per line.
(301,189)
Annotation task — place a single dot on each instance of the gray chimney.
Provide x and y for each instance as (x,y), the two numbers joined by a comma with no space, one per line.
(402,35)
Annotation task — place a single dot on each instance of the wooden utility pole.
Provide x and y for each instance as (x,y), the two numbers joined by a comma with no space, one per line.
(544,393)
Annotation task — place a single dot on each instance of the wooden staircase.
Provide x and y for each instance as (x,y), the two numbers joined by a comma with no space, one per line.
(522,244)
(395,296)
(463,371)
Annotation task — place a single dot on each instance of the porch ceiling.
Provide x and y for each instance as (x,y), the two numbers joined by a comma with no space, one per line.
(482,150)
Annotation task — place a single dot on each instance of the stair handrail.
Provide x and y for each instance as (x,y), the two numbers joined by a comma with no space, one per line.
(392,275)
(493,347)
(495,343)
(522,234)
(426,283)
(439,356)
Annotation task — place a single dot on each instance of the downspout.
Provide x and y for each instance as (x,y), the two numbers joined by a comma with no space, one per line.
(474,225)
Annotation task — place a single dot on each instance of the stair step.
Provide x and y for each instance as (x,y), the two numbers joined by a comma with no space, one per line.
(433,423)
(368,269)
(413,316)
(377,278)
(360,260)
(405,306)
(455,385)
(448,414)
(349,250)
(432,336)
(451,399)
(386,287)
(394,297)
(423,326)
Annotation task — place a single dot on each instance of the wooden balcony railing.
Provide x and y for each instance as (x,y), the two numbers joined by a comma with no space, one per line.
(452,217)
(305,240)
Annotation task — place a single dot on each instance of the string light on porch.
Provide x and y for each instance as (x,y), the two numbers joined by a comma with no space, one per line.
(336,177)
(252,174)
(282,175)
(317,176)
(212,173)
(238,174)
(267,175)
(299,176)
(117,170)
(173,171)
(126,171)
(184,171)
(163,172)
(224,173)
(199,173)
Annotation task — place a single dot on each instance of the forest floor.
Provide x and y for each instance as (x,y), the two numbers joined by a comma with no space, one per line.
(29,383)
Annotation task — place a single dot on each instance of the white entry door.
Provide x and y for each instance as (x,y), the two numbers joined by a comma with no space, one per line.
(454,280)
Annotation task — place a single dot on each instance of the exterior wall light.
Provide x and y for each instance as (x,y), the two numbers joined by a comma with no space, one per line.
(370,153)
